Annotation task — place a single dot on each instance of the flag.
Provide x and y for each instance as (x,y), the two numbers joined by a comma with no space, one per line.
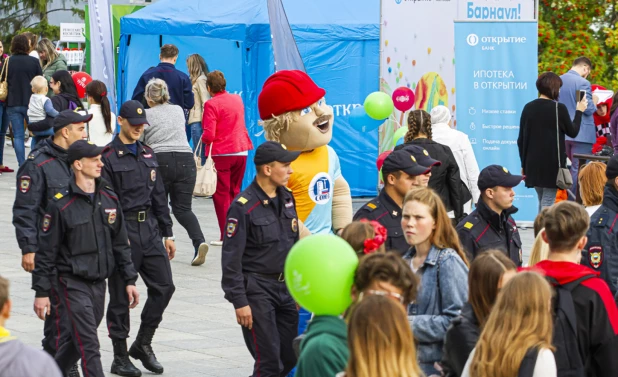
(102,47)
(286,51)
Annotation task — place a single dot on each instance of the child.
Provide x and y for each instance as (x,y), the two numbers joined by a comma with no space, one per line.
(39,107)
(365,237)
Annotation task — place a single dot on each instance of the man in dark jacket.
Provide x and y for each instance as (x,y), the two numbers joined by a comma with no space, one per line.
(178,83)
(596,314)
(445,178)
(84,239)
(400,172)
(490,225)
(44,174)
(601,252)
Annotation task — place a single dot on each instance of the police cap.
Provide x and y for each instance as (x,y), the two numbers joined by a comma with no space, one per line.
(612,168)
(134,113)
(402,160)
(272,151)
(496,175)
(67,117)
(421,155)
(83,149)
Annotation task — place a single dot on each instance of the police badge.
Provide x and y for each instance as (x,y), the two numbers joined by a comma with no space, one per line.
(231,227)
(153,175)
(46,222)
(24,184)
(595,256)
(111,215)
(294,225)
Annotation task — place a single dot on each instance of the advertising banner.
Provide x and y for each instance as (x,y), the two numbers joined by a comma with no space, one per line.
(496,77)
(101,51)
(499,10)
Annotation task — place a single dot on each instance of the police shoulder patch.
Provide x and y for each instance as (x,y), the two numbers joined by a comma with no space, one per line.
(46,222)
(595,256)
(232,227)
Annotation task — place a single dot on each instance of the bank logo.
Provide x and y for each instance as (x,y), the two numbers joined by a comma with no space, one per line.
(472,39)
(320,188)
(397,1)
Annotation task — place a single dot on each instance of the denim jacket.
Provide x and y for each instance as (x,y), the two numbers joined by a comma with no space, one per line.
(437,303)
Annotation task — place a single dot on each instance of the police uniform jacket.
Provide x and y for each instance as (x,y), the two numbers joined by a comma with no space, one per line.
(601,252)
(83,238)
(485,229)
(259,235)
(385,211)
(45,173)
(137,181)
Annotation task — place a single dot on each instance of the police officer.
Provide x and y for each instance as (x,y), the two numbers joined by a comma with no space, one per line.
(490,225)
(400,172)
(45,173)
(132,169)
(83,237)
(262,226)
(601,252)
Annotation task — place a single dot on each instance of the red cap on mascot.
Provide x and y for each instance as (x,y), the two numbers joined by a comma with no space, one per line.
(287,91)
(81,79)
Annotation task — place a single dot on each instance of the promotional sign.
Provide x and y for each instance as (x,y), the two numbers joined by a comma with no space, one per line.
(496,77)
(101,50)
(70,32)
(505,10)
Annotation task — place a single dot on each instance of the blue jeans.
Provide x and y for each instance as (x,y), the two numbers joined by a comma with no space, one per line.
(575,147)
(4,125)
(40,136)
(17,115)
(547,196)
(196,135)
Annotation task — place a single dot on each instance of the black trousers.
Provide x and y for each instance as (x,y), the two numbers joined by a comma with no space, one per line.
(275,325)
(151,261)
(179,171)
(81,309)
(51,328)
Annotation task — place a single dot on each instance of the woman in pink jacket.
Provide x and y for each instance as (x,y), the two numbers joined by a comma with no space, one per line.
(224,127)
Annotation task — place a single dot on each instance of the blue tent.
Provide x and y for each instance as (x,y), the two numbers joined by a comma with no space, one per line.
(338,40)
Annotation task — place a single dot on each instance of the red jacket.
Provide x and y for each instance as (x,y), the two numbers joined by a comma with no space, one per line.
(224,125)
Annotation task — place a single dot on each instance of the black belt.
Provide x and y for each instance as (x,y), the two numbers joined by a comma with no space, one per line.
(139,216)
(279,277)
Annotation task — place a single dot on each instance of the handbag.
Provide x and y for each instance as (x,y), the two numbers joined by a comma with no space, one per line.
(564,181)
(206,177)
(4,84)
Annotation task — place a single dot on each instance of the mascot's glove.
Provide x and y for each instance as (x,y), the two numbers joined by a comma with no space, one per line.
(342,205)
(303,231)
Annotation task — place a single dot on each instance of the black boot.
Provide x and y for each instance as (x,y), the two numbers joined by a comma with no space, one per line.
(74,372)
(141,350)
(122,365)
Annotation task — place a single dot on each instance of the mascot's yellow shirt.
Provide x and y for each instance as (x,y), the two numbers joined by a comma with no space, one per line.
(312,184)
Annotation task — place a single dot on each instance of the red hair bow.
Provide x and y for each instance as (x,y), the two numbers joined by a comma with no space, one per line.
(372,245)
(103,94)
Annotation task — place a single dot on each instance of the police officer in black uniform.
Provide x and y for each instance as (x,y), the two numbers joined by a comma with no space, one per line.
(400,172)
(132,169)
(262,226)
(84,239)
(44,174)
(491,225)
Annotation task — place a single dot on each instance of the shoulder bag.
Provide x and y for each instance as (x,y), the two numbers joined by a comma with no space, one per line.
(564,181)
(206,177)
(4,84)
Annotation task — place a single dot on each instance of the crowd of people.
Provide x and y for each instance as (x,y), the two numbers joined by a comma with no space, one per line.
(441,287)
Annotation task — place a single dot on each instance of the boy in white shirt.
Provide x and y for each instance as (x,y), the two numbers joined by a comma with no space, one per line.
(39,107)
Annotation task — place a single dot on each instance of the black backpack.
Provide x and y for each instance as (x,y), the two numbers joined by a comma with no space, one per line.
(568,357)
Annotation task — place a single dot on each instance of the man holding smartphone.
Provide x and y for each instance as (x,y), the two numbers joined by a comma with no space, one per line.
(574,84)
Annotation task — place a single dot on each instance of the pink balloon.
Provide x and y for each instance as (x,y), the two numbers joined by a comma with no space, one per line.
(403,98)
(381,159)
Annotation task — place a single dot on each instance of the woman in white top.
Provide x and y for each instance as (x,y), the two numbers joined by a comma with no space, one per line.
(592,180)
(518,333)
(462,150)
(102,126)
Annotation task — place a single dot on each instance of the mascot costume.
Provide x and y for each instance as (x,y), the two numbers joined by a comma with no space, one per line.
(295,114)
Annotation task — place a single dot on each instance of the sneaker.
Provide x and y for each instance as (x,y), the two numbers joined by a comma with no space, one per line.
(216,243)
(200,255)
(6,169)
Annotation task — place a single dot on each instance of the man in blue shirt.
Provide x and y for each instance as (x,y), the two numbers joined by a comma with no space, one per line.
(573,81)
(178,83)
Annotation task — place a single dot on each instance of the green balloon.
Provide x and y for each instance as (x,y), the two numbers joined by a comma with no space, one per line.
(401,132)
(319,273)
(379,105)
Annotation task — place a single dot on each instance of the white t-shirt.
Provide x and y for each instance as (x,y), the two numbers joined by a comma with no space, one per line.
(545,364)
(96,127)
(34,54)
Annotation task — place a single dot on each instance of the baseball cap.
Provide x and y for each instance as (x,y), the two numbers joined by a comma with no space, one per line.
(496,175)
(612,167)
(67,117)
(272,151)
(402,160)
(421,155)
(81,149)
(133,111)
(287,90)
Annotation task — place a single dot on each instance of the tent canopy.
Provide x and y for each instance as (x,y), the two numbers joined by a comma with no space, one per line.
(338,41)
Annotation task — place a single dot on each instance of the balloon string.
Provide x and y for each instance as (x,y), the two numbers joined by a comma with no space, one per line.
(401,119)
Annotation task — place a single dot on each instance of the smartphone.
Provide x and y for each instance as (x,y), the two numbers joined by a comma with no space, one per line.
(581,94)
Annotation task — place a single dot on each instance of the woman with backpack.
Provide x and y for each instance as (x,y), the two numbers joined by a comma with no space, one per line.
(517,339)
(437,257)
(489,272)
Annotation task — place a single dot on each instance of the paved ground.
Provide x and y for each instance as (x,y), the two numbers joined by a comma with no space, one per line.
(199,335)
